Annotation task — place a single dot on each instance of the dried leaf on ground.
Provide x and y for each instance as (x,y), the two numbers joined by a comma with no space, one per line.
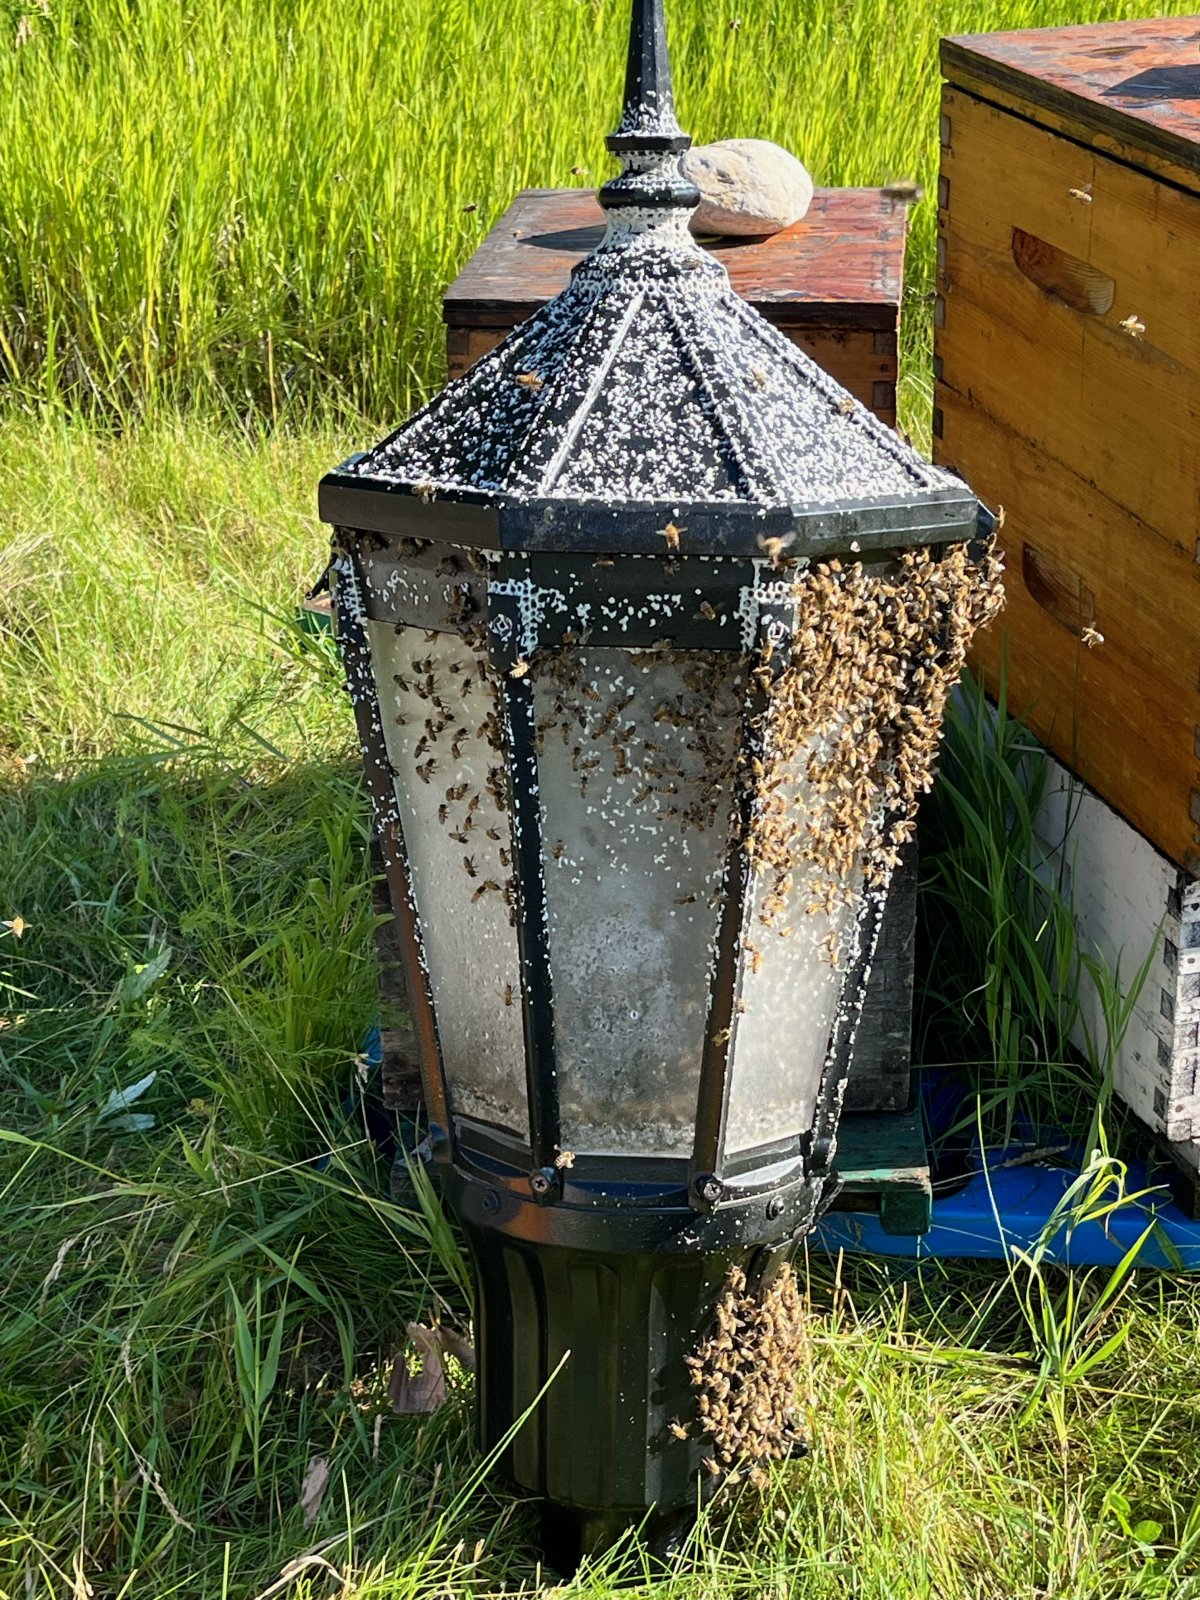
(422,1391)
(459,1346)
(312,1490)
(416,1393)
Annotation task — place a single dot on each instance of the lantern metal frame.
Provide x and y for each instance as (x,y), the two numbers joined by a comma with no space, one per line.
(707,1181)
(637,1241)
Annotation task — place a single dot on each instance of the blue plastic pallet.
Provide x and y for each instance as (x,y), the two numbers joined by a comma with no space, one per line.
(1008,1208)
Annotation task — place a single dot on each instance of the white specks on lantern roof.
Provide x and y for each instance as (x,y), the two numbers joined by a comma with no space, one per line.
(649,379)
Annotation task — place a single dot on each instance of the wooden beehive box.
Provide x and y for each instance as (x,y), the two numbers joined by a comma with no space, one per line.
(831,282)
(1068,389)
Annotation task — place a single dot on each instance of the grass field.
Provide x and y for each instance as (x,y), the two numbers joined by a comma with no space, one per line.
(223,234)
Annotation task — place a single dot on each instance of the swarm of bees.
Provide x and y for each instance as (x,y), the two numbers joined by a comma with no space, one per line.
(453,696)
(744,1377)
(678,760)
(843,737)
(848,731)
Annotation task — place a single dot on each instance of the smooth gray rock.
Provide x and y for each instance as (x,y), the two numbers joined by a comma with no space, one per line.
(747,186)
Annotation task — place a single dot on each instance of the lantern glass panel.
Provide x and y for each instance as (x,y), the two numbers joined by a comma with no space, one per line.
(793,962)
(636,775)
(439,710)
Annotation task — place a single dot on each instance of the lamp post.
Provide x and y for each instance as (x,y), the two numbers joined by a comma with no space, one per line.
(647,625)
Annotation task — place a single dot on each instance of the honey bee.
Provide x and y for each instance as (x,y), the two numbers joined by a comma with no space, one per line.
(676,1429)
(1133,326)
(518,669)
(469,867)
(425,492)
(907,190)
(603,561)
(671,534)
(493,833)
(508,994)
(707,611)
(758,377)
(443,813)
(487,887)
(1084,194)
(558,849)
(564,1159)
(426,770)
(722,1037)
(531,380)
(845,405)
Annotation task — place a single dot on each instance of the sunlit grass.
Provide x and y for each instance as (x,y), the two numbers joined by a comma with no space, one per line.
(233,205)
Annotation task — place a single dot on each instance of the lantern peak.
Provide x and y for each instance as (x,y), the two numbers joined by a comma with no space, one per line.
(647,396)
(649,109)
(649,141)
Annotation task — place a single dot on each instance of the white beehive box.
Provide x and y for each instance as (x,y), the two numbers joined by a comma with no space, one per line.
(1132,905)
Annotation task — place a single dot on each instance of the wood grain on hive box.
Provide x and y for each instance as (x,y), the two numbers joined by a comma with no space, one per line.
(831,282)
(1067,365)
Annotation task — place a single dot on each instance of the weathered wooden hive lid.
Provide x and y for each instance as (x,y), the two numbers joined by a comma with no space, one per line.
(648,399)
(1129,88)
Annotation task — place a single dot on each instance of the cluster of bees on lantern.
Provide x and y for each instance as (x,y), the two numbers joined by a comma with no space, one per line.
(744,1378)
(858,711)
(674,749)
(853,719)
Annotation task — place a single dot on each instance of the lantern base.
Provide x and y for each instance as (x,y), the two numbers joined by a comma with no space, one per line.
(585,1394)
(568,1536)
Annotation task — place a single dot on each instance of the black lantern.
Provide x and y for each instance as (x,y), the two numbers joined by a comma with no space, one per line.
(647,624)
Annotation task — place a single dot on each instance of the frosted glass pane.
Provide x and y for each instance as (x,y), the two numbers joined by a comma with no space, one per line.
(638,752)
(440,722)
(789,994)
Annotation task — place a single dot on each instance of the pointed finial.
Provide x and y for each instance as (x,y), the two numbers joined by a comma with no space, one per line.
(649,140)
(649,110)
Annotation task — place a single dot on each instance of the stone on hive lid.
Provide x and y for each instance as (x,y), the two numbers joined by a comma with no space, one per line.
(747,186)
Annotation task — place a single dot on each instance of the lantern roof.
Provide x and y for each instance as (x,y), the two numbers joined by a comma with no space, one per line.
(648,401)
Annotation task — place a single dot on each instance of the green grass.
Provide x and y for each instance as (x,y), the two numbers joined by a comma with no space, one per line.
(231,205)
(224,230)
